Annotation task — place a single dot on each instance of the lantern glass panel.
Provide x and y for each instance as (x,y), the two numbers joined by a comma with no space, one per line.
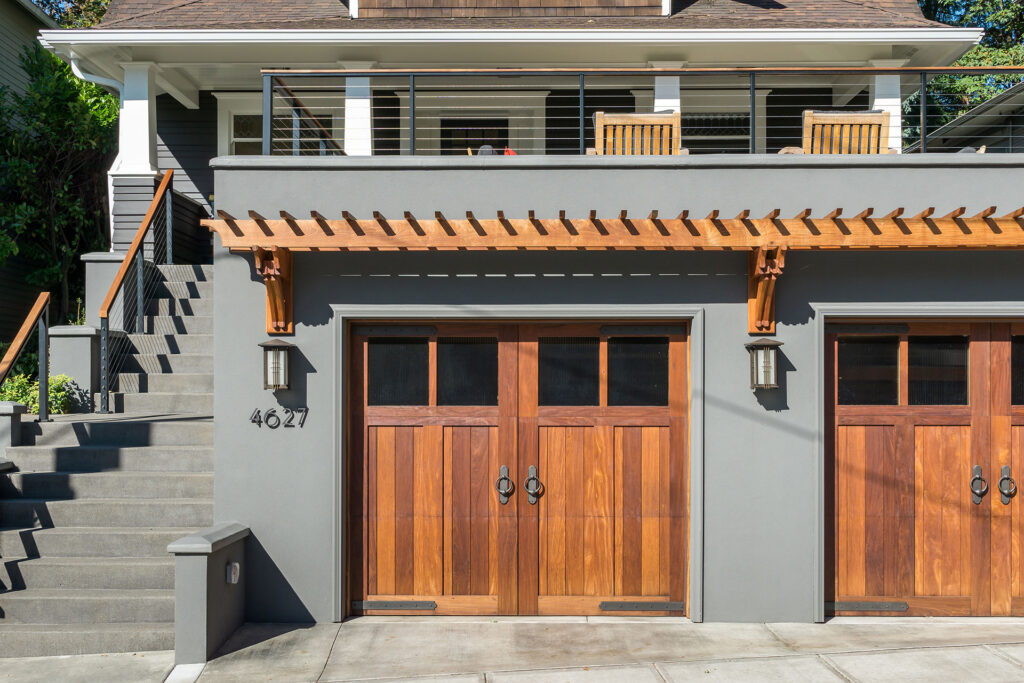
(276,364)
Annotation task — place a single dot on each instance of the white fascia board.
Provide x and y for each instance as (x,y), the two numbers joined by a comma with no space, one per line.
(511,36)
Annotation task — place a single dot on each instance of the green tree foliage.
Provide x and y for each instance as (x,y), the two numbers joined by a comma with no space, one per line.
(56,142)
(74,13)
(63,395)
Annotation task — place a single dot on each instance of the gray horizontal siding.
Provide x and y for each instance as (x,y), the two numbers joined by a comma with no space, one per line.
(132,197)
(17,30)
(186,141)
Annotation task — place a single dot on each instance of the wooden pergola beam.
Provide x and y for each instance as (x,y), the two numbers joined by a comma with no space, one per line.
(864,230)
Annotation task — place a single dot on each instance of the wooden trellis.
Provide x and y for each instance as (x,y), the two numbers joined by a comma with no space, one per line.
(768,238)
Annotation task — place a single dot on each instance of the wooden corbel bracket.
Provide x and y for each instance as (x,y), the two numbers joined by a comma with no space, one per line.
(764,266)
(275,267)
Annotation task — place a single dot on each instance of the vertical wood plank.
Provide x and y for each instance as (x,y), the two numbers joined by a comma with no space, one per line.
(600,497)
(575,510)
(650,509)
(928,549)
(554,496)
(856,443)
(981,451)
(371,513)
(632,511)
(665,512)
(429,529)
(875,483)
(449,509)
(461,511)
(493,513)
(385,510)
(906,506)
(618,483)
(543,528)
(479,524)
(1001,429)
(405,445)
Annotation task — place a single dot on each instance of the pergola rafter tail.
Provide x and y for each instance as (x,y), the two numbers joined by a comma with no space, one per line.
(768,238)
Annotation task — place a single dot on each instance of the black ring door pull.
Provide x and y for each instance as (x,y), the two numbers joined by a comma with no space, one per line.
(532,486)
(978,485)
(1007,486)
(503,485)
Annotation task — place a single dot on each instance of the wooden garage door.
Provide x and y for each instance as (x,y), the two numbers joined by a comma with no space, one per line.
(922,413)
(588,424)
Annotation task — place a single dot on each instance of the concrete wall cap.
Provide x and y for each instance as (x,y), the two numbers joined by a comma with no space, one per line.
(73,331)
(103,256)
(682,162)
(12,408)
(208,541)
(6,465)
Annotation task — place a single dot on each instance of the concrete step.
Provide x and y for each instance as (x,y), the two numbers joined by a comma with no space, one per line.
(150,429)
(170,343)
(100,458)
(107,512)
(176,324)
(174,306)
(40,640)
(178,403)
(184,290)
(87,606)
(88,572)
(90,541)
(168,363)
(186,272)
(172,383)
(78,486)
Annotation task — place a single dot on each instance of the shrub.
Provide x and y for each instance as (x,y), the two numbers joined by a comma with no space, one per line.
(64,394)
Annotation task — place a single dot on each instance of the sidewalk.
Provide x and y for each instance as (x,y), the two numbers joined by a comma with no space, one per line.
(595,650)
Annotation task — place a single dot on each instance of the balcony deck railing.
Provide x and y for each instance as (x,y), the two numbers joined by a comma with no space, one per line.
(552,111)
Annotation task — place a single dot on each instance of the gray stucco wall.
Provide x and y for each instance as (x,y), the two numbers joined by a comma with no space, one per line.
(762,473)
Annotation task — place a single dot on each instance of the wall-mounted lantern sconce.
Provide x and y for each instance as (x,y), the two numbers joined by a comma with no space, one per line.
(764,363)
(275,363)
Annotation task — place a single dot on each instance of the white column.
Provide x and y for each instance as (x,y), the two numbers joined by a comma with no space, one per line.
(358,112)
(666,88)
(884,93)
(137,123)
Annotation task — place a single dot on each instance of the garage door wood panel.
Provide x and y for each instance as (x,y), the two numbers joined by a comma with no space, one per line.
(609,522)
(905,526)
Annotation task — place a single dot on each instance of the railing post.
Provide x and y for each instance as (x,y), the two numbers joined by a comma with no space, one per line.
(923,119)
(268,113)
(412,115)
(44,367)
(583,118)
(753,113)
(104,382)
(139,299)
(169,219)
(296,131)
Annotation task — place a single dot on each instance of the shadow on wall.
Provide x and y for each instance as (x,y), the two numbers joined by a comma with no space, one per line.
(267,591)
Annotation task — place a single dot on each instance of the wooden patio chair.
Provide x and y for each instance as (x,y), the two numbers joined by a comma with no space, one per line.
(846,132)
(655,134)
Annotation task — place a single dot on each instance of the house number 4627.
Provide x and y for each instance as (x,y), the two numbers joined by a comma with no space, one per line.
(287,417)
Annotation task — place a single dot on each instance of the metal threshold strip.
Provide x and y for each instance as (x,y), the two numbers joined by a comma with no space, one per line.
(866,606)
(425,605)
(636,606)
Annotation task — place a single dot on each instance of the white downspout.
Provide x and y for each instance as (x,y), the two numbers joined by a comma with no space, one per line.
(118,87)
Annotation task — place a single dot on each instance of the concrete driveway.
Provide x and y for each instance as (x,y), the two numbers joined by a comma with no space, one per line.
(557,650)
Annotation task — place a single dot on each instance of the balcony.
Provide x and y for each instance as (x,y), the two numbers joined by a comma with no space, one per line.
(552,112)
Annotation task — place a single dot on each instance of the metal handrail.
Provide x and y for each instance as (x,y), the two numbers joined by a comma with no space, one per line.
(273,82)
(164,191)
(37,316)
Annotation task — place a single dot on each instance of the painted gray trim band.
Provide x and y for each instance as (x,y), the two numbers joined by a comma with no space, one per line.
(775,161)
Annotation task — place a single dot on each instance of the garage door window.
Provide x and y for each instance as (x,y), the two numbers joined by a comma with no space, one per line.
(467,371)
(398,370)
(1017,370)
(938,371)
(568,371)
(638,371)
(869,371)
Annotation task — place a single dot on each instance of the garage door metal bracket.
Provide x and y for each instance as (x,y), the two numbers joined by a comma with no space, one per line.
(635,606)
(425,605)
(866,606)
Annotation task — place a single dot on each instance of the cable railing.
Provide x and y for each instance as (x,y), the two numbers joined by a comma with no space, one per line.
(124,309)
(553,111)
(38,318)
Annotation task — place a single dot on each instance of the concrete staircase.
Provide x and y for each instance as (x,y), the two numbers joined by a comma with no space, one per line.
(86,518)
